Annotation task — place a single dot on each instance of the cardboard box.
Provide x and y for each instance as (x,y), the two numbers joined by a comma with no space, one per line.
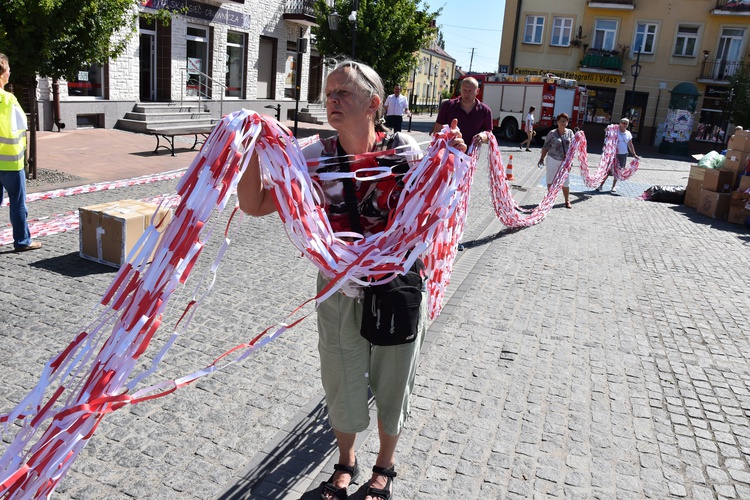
(693,192)
(733,165)
(714,205)
(719,181)
(744,183)
(736,142)
(697,172)
(109,231)
(735,155)
(738,215)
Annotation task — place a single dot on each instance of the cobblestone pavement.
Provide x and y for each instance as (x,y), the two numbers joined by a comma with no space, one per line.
(600,354)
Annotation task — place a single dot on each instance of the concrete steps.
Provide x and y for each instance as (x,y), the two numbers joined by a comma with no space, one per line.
(313,113)
(162,115)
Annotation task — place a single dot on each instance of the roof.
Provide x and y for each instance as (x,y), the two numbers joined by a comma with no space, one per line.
(436,49)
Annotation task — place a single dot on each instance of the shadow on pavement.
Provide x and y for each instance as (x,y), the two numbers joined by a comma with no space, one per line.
(72,265)
(722,225)
(299,450)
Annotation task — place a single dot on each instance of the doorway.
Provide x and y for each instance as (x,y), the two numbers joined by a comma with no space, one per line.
(636,112)
(147,56)
(267,68)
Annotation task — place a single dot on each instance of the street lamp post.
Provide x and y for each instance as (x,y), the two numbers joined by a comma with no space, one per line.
(353,20)
(334,19)
(635,70)
(705,60)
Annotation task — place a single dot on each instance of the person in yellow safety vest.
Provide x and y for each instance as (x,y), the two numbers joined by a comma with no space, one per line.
(12,152)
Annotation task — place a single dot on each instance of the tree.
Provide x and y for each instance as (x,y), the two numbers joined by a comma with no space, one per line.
(56,38)
(389,34)
(740,105)
(440,40)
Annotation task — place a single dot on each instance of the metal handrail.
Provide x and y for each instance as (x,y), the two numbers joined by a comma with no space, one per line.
(183,72)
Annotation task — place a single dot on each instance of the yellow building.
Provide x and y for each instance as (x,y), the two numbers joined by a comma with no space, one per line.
(432,76)
(676,49)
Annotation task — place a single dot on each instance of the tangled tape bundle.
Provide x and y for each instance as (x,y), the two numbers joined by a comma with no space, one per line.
(96,373)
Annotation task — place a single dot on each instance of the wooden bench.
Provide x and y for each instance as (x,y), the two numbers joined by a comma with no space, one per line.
(168,134)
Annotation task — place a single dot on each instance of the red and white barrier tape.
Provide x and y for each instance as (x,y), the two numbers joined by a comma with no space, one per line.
(94,375)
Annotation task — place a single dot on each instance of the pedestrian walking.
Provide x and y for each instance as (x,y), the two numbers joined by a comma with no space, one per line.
(396,106)
(12,158)
(528,127)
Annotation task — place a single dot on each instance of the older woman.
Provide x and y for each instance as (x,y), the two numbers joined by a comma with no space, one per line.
(556,146)
(349,363)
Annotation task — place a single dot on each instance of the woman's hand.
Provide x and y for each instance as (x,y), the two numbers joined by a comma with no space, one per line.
(457,141)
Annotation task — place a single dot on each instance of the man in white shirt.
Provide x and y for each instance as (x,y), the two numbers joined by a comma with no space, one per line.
(396,106)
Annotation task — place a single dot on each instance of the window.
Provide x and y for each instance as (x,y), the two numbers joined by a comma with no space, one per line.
(687,40)
(197,62)
(235,70)
(88,83)
(534,29)
(605,32)
(562,29)
(645,38)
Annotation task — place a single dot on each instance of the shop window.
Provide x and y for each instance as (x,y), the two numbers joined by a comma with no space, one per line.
(534,30)
(88,82)
(562,30)
(599,105)
(235,71)
(686,41)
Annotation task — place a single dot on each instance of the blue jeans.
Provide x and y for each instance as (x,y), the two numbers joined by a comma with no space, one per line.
(14,183)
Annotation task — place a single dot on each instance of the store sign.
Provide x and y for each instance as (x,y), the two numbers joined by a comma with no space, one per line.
(581,78)
(714,92)
(203,11)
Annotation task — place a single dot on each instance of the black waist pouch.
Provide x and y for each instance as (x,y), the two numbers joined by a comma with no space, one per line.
(390,314)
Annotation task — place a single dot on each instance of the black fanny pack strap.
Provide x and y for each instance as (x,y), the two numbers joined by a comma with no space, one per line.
(350,194)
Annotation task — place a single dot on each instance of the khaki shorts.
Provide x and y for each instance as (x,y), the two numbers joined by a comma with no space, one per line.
(349,364)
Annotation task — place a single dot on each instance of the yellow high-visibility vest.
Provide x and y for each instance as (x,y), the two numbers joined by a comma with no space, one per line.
(12,133)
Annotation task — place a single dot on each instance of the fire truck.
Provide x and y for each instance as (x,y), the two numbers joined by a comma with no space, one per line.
(510,97)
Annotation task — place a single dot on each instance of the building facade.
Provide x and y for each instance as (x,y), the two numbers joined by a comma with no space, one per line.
(637,59)
(431,78)
(227,54)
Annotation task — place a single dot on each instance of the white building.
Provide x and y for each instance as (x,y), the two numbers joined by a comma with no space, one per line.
(229,54)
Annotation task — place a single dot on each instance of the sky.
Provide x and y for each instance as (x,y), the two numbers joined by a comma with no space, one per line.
(468,24)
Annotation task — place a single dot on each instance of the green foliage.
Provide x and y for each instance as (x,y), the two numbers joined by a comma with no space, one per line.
(389,34)
(56,38)
(740,109)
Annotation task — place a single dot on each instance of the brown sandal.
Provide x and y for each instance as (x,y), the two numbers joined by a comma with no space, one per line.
(384,493)
(339,493)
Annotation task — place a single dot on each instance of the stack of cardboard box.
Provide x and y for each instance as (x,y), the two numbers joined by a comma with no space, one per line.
(714,197)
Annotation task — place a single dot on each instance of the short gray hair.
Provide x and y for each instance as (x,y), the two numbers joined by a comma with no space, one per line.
(625,121)
(365,78)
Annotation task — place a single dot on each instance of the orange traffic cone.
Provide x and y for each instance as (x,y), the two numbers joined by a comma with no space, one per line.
(509,170)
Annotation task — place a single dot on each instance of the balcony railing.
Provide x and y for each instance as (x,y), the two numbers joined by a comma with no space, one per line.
(600,59)
(719,69)
(733,5)
(300,11)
